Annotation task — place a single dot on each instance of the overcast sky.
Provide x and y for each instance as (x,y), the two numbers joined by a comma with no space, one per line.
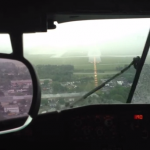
(119,36)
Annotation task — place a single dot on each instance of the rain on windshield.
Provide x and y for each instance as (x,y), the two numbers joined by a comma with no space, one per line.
(77,56)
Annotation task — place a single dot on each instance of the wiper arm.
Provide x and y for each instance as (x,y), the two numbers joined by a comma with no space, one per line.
(134,63)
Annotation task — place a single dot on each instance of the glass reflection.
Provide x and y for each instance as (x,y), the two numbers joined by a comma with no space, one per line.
(16,89)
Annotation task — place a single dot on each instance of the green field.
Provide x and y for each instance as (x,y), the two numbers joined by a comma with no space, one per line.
(82,64)
(46,59)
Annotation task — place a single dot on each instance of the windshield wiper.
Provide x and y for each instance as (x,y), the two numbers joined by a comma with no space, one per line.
(135,63)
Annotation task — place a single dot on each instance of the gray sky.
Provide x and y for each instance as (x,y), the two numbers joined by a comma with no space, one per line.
(119,36)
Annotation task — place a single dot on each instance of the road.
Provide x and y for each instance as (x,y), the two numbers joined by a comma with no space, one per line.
(107,73)
(101,64)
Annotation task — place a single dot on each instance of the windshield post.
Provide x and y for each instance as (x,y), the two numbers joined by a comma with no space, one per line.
(139,68)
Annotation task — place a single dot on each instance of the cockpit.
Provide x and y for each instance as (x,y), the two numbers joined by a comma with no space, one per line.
(93,75)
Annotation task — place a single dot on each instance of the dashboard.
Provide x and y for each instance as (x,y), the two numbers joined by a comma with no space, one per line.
(108,126)
(103,127)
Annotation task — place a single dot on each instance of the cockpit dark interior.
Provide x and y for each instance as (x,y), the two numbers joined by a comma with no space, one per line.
(90,127)
(94,127)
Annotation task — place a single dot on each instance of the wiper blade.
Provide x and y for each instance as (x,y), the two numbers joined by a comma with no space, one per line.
(135,63)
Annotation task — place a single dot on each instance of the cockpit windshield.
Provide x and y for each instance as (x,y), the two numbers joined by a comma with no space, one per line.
(77,56)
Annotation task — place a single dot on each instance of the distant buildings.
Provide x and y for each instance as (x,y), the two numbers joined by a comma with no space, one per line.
(69,84)
(4,104)
(25,90)
(11,108)
(113,83)
(42,81)
(19,86)
(11,91)
(20,82)
(15,105)
(120,82)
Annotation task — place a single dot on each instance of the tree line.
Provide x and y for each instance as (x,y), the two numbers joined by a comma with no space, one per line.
(56,73)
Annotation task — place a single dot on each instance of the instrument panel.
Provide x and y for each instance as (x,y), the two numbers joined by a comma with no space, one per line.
(93,127)
(97,127)
(108,127)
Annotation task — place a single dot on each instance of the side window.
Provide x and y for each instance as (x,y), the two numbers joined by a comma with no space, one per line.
(5,44)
